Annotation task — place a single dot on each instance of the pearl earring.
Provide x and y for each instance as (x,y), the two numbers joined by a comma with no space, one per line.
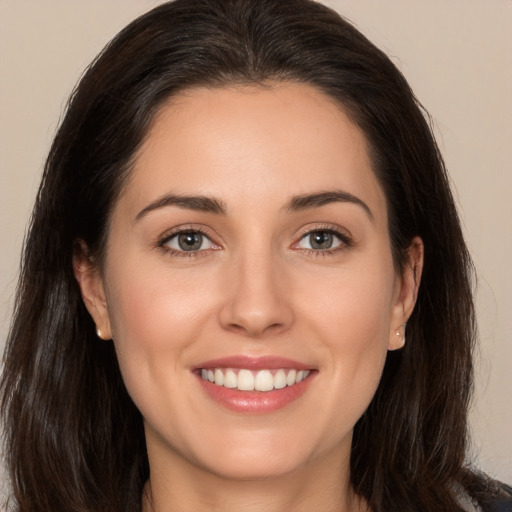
(98,333)
(397,332)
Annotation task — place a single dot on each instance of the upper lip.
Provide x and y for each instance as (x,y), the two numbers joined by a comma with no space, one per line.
(254,363)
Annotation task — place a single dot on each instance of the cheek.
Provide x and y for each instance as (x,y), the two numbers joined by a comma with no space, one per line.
(152,305)
(351,317)
(358,340)
(353,304)
(357,353)
(155,317)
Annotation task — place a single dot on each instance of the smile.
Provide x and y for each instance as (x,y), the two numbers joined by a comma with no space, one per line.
(254,380)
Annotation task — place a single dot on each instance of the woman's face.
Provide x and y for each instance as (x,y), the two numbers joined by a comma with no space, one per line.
(250,245)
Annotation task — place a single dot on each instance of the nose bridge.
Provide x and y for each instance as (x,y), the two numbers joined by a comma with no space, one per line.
(256,302)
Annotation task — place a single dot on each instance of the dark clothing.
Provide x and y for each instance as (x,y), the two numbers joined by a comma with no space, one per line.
(502,502)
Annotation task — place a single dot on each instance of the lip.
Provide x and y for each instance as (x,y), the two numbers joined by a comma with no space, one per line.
(255,402)
(254,363)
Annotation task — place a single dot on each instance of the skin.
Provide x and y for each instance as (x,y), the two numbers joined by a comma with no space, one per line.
(256,289)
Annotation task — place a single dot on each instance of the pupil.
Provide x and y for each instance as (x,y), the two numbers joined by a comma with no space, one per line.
(321,240)
(190,241)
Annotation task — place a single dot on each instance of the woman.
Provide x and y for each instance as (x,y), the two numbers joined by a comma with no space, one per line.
(245,203)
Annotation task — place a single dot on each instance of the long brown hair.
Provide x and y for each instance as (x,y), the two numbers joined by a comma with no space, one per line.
(73,438)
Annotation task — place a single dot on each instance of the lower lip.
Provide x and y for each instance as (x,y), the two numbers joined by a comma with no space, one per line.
(256,402)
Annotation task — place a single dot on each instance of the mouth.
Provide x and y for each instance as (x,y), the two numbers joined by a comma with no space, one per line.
(254,385)
(244,379)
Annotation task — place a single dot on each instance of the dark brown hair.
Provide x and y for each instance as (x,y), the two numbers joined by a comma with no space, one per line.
(74,439)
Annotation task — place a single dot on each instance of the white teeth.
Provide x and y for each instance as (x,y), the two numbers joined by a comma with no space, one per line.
(247,380)
(264,381)
(219,377)
(290,378)
(230,379)
(280,379)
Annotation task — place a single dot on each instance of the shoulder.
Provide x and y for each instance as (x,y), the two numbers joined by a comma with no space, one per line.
(501,501)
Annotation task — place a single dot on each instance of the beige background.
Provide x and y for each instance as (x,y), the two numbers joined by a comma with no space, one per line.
(456,55)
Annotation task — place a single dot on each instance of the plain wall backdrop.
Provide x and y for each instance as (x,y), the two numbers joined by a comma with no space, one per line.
(457,58)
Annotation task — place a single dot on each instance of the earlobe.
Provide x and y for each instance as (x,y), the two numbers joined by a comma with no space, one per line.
(92,289)
(400,339)
(408,294)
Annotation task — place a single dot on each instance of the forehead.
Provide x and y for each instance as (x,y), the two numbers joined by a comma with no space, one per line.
(238,143)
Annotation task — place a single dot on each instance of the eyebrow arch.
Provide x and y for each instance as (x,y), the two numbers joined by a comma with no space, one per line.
(315,200)
(198,203)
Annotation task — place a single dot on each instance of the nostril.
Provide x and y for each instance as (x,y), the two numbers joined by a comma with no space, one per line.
(253,329)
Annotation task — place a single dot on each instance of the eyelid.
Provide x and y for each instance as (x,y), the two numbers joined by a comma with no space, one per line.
(342,234)
(182,229)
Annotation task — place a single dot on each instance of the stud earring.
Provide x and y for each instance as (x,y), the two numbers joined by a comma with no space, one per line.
(98,333)
(397,332)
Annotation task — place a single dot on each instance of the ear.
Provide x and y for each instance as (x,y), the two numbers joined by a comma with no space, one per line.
(91,285)
(407,293)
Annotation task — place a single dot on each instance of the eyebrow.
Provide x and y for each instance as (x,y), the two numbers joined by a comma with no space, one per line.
(315,200)
(197,203)
(216,206)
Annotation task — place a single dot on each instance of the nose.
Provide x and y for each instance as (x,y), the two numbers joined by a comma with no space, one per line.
(256,303)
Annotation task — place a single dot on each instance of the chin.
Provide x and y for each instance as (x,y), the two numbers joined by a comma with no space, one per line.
(257,468)
(261,455)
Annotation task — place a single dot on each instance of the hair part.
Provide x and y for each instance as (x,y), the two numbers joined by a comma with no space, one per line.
(64,404)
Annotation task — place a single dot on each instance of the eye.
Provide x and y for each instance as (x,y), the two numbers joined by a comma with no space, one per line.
(322,240)
(188,241)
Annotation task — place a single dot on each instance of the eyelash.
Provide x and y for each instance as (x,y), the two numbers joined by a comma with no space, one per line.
(161,244)
(342,236)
